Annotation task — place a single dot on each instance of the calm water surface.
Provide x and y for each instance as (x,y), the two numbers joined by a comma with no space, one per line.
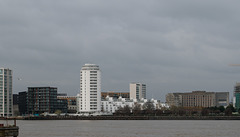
(128,128)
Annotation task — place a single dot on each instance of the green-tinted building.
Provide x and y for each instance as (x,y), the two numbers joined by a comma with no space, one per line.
(236,102)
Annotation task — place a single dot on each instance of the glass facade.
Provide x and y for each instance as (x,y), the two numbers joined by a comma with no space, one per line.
(237,97)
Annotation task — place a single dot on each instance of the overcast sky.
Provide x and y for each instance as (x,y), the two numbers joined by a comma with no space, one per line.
(172,46)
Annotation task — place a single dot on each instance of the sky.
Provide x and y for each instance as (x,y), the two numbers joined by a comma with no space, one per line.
(171,46)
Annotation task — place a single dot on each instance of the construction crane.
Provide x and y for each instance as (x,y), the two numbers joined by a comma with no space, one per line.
(234,65)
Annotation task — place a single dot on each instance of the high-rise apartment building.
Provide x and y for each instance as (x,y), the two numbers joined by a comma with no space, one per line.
(90,89)
(236,94)
(6,97)
(137,91)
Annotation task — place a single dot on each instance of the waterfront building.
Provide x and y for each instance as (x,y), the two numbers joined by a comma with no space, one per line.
(90,89)
(71,101)
(110,104)
(174,99)
(6,96)
(42,99)
(236,96)
(198,99)
(22,103)
(222,99)
(137,91)
(115,95)
(15,105)
(62,106)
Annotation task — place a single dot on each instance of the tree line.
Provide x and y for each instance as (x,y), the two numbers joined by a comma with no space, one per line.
(148,109)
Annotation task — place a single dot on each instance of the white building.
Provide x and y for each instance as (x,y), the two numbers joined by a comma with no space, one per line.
(90,89)
(110,105)
(137,90)
(6,97)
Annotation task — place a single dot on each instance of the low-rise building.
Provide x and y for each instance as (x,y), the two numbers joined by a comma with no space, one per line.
(174,99)
(198,99)
(71,101)
(110,105)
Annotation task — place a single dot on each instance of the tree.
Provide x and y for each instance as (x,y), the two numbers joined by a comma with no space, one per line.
(228,112)
(205,112)
(58,112)
(119,111)
(174,110)
(137,110)
(126,110)
(230,106)
(158,112)
(148,108)
(181,111)
(221,108)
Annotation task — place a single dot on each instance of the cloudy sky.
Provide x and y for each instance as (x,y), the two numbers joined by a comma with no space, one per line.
(172,46)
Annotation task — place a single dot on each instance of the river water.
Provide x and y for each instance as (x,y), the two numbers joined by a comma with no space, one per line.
(128,128)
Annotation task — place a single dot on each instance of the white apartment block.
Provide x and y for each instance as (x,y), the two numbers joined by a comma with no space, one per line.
(110,105)
(6,97)
(90,89)
(137,91)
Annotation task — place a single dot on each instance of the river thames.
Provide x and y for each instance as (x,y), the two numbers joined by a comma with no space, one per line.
(129,128)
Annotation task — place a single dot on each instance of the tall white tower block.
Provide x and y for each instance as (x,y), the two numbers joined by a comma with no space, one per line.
(90,89)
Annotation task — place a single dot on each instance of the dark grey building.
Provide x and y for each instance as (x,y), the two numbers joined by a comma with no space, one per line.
(42,99)
(22,103)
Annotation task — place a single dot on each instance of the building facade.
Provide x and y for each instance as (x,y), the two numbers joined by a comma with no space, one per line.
(41,99)
(6,96)
(137,91)
(71,101)
(111,105)
(174,99)
(198,99)
(236,96)
(22,103)
(90,89)
(222,99)
(15,105)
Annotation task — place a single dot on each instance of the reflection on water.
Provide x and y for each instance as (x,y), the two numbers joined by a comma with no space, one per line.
(128,128)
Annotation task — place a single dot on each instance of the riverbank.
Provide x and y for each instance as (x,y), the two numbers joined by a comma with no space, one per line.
(131,118)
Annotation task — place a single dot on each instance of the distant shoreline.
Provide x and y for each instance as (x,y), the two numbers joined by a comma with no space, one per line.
(128,118)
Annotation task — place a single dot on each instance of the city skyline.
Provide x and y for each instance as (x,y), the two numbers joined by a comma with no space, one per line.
(171,46)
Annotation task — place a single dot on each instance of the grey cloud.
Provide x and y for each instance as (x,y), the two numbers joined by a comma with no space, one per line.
(169,45)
